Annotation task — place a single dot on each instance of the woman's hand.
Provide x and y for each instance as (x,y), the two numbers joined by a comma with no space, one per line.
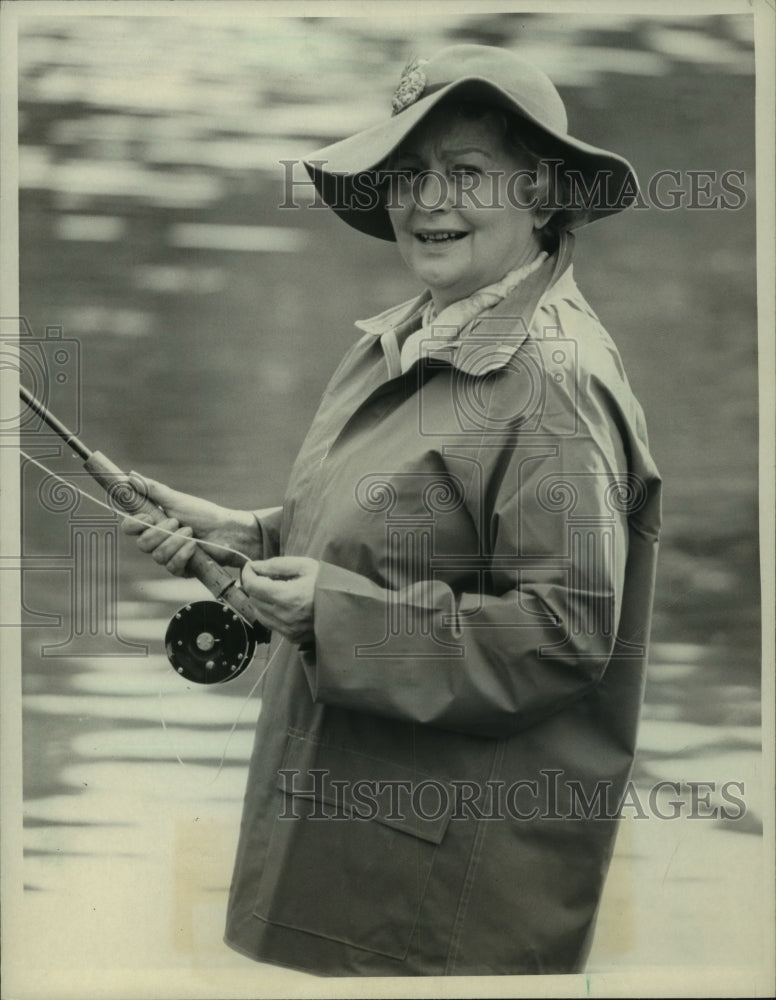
(283,591)
(190,517)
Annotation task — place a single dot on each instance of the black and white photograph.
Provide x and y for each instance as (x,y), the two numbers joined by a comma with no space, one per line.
(387,592)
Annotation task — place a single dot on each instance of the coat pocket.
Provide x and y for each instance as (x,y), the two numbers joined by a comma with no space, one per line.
(352,846)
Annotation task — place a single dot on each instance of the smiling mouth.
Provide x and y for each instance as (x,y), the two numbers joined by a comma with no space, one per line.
(439,238)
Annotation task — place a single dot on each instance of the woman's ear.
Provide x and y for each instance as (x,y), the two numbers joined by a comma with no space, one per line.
(541,217)
(536,194)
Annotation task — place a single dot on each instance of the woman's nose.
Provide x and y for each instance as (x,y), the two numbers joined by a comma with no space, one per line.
(431,191)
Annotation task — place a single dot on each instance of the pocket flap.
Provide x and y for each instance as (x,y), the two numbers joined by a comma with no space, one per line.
(366,788)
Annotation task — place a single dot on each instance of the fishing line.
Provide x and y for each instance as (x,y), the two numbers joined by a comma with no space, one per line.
(233,728)
(131,517)
(165,531)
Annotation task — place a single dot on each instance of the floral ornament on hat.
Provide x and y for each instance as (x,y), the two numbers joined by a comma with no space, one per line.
(411,86)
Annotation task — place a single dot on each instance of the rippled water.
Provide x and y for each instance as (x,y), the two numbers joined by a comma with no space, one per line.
(205,323)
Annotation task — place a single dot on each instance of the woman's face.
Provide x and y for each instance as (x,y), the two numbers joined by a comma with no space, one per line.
(461,226)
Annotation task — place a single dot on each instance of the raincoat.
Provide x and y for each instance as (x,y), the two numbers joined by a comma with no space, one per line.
(435,781)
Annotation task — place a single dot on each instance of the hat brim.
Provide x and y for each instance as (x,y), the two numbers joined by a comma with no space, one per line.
(335,169)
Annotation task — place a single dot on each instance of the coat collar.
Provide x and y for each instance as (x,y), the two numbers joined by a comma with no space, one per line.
(493,340)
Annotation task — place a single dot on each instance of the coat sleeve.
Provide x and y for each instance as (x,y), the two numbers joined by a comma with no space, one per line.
(534,634)
(269,520)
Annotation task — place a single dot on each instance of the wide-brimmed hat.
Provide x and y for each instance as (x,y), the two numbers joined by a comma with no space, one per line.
(485,74)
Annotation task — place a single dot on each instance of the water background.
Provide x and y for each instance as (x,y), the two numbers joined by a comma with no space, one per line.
(206,322)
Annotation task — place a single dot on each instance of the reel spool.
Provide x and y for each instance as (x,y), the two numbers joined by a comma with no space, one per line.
(207,643)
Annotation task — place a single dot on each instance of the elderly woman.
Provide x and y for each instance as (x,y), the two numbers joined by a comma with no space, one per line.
(459,580)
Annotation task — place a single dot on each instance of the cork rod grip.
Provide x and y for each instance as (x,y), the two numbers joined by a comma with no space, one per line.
(125,496)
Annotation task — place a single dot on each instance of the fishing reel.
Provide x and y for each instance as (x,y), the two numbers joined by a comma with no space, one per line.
(209,643)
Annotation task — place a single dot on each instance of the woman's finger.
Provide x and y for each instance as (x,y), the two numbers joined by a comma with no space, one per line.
(284,567)
(153,537)
(256,583)
(273,619)
(171,501)
(147,487)
(170,546)
(177,563)
(267,595)
(285,605)
(267,592)
(136,524)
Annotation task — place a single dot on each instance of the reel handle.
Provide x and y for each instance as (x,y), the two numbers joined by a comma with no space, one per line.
(124,495)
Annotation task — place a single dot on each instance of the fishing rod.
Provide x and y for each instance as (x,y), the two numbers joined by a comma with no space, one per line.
(206,642)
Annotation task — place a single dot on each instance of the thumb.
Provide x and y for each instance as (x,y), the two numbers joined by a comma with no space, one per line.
(154,490)
(280,567)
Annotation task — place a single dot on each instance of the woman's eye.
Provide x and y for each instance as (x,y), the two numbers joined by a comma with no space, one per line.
(466,170)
